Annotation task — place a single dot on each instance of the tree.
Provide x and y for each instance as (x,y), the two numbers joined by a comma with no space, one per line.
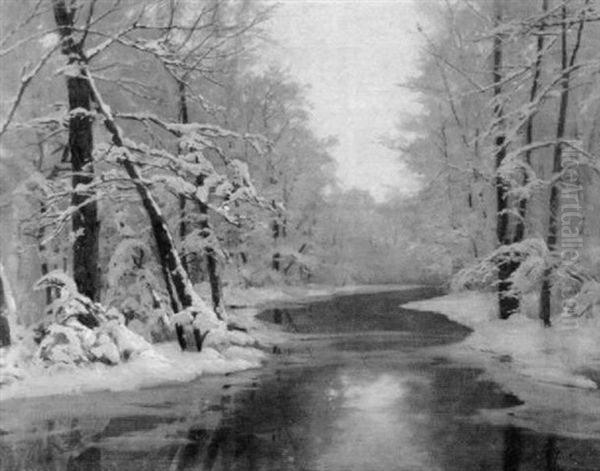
(508,304)
(567,63)
(7,311)
(86,225)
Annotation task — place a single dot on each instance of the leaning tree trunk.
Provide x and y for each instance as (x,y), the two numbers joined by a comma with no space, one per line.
(86,224)
(179,286)
(183,118)
(507,304)
(563,107)
(212,262)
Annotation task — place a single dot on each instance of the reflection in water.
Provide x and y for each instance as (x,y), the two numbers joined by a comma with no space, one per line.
(87,460)
(551,454)
(366,400)
(512,449)
(375,429)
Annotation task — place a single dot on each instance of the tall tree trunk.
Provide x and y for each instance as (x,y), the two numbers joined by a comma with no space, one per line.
(183,118)
(552,238)
(507,304)
(86,224)
(533,93)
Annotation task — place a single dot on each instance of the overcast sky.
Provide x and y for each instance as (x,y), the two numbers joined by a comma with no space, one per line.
(353,54)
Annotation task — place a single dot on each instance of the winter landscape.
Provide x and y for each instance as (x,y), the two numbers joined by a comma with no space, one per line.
(300,235)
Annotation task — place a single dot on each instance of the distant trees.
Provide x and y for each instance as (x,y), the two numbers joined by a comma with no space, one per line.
(291,176)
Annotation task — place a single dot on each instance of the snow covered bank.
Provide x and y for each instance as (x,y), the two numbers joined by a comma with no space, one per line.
(86,347)
(158,364)
(153,364)
(554,355)
(549,369)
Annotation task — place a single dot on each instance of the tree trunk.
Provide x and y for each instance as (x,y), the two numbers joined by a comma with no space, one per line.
(554,207)
(212,263)
(507,304)
(85,219)
(178,284)
(5,339)
(277,233)
(8,321)
(533,93)
(183,118)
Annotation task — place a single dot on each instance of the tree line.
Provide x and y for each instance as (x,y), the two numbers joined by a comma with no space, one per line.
(508,141)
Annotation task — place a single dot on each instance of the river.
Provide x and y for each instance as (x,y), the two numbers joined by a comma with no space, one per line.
(357,389)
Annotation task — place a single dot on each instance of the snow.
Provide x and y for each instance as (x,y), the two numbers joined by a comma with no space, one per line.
(553,355)
(114,358)
(549,369)
(158,364)
(74,358)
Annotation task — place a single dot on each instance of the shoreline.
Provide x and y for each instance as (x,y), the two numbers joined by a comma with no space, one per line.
(165,364)
(543,367)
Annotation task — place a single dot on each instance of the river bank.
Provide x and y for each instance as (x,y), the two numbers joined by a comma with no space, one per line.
(554,371)
(358,387)
(162,363)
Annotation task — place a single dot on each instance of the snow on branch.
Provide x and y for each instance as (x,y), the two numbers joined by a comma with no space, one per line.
(532,256)
(26,79)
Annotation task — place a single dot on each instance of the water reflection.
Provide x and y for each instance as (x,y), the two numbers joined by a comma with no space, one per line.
(363,401)
(88,460)
(375,428)
(512,449)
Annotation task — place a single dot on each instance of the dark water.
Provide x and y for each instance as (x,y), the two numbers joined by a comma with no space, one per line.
(355,391)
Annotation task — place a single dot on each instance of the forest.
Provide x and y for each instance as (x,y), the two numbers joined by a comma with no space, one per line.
(156,171)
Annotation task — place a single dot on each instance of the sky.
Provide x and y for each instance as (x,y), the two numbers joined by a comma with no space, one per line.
(353,54)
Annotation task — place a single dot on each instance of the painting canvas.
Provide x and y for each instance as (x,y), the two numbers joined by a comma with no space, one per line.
(329,235)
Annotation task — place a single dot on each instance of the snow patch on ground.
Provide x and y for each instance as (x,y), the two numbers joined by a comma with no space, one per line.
(158,364)
(153,364)
(549,369)
(553,355)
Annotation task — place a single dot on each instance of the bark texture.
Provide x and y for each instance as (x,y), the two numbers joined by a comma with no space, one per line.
(567,63)
(81,141)
(507,304)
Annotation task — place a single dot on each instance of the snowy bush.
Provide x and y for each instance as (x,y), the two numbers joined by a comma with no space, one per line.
(69,303)
(72,343)
(79,331)
(531,254)
(572,281)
